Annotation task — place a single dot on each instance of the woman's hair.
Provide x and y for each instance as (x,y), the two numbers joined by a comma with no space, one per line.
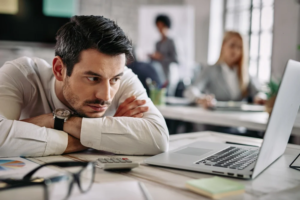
(242,63)
(164,19)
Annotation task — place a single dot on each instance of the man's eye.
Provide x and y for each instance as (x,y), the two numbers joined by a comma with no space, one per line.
(93,79)
(114,80)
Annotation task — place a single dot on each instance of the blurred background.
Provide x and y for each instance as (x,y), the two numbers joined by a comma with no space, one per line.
(271,29)
(194,30)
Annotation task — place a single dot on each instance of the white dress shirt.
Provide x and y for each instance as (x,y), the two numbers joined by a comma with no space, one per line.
(27,90)
(232,80)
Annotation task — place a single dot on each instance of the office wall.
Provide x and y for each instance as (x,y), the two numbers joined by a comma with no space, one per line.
(286,34)
(202,13)
(125,12)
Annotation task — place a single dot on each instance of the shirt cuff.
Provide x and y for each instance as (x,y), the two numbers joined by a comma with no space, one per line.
(57,142)
(90,132)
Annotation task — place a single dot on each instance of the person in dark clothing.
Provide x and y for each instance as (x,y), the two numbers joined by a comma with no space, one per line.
(143,71)
(165,51)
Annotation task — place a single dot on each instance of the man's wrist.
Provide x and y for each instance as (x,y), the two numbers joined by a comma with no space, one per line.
(73,126)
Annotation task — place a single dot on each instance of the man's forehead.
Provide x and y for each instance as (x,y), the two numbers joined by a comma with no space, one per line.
(103,64)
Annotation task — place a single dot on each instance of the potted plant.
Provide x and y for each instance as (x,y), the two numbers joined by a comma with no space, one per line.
(272,90)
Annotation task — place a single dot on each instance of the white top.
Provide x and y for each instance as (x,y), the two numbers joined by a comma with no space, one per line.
(27,90)
(232,80)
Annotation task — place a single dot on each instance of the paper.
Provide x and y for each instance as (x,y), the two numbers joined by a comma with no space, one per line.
(111,191)
(15,167)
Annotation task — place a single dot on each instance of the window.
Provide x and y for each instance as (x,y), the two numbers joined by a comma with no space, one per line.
(254,20)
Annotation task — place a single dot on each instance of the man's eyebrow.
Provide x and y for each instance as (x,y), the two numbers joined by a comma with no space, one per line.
(95,74)
(91,73)
(121,74)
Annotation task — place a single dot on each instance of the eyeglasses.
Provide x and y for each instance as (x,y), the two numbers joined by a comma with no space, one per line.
(55,187)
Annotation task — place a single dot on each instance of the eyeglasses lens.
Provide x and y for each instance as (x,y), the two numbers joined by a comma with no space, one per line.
(86,177)
(59,186)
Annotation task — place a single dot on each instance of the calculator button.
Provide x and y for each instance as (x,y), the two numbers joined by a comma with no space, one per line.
(102,160)
(124,158)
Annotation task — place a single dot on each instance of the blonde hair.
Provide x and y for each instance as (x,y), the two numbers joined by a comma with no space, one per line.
(242,71)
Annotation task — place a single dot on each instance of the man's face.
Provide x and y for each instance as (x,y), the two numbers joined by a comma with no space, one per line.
(94,81)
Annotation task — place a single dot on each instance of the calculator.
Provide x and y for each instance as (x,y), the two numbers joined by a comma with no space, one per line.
(116,163)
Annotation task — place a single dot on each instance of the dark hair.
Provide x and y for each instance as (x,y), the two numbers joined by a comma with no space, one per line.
(85,32)
(164,19)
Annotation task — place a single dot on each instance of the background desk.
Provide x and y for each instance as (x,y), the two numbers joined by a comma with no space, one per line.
(251,120)
(163,183)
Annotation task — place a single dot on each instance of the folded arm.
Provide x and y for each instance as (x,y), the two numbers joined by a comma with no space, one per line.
(146,135)
(19,138)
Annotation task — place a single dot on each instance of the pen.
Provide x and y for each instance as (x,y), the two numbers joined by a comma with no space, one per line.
(145,191)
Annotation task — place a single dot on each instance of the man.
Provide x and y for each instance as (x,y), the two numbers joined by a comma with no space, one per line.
(97,101)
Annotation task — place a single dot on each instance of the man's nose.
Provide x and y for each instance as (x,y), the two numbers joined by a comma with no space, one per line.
(103,92)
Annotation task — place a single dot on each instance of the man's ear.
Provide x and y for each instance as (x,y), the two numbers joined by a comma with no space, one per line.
(58,68)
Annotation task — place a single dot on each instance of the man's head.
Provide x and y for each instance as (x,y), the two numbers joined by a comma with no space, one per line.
(91,53)
(163,24)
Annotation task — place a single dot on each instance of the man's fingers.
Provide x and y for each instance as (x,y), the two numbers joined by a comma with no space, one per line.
(127,101)
(135,111)
(130,106)
(140,115)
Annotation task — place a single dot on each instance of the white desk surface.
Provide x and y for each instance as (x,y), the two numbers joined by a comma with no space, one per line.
(276,182)
(251,120)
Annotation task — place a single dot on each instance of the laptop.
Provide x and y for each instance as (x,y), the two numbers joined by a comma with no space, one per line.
(245,162)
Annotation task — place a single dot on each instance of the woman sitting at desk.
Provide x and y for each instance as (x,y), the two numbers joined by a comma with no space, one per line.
(228,79)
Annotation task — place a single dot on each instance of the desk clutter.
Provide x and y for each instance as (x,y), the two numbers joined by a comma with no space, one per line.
(215,187)
(116,163)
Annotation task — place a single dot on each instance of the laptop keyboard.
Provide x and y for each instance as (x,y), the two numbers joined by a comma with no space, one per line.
(232,157)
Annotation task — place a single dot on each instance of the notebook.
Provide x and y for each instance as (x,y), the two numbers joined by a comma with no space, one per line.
(215,187)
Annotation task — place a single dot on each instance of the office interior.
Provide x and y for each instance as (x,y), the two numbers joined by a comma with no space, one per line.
(271,34)
(270,29)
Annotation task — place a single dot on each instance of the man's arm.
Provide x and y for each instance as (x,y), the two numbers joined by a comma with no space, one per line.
(131,107)
(19,138)
(147,135)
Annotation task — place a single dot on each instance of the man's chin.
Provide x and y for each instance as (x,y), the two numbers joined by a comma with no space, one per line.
(94,115)
(90,114)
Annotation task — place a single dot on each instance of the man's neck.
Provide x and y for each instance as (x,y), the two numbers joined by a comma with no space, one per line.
(58,88)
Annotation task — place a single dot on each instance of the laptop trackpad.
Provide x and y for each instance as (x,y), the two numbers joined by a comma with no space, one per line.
(193,151)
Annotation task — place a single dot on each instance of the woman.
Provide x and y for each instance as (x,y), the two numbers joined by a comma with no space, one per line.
(228,79)
(165,51)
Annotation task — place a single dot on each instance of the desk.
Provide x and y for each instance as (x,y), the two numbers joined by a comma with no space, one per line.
(164,183)
(251,120)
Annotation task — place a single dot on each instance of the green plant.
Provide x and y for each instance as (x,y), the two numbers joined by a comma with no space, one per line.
(273,88)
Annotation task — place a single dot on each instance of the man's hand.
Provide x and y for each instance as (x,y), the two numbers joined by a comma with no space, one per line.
(74,145)
(131,107)
(71,126)
(45,120)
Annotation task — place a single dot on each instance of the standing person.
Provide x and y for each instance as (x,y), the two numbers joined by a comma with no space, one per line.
(228,79)
(165,52)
